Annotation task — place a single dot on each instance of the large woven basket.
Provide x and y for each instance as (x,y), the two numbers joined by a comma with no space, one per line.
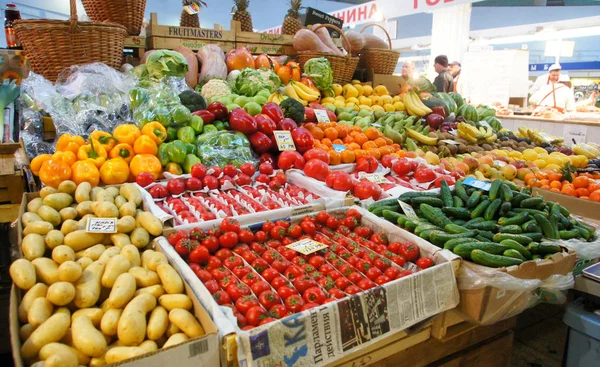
(52,45)
(343,67)
(381,60)
(129,13)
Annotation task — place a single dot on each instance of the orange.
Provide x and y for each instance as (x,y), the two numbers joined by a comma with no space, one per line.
(533,182)
(331,133)
(353,146)
(553,176)
(595,195)
(380,142)
(386,150)
(348,139)
(338,141)
(568,190)
(348,156)
(369,145)
(540,175)
(527,177)
(342,131)
(318,144)
(317,133)
(334,158)
(586,174)
(581,181)
(323,125)
(555,184)
(593,186)
(388,141)
(361,138)
(360,152)
(374,152)
(545,187)
(326,141)
(582,192)
(545,182)
(372,133)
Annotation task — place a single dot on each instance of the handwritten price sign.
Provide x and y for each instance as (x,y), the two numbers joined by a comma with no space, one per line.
(284,140)
(322,116)
(306,246)
(101,225)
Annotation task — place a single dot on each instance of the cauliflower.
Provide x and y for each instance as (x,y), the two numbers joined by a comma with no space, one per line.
(215,88)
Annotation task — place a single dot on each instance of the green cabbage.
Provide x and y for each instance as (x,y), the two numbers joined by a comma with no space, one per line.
(250,82)
(166,63)
(319,70)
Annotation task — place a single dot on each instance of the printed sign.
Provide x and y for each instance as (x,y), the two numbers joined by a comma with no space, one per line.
(377,178)
(339,147)
(453,132)
(101,225)
(306,246)
(408,210)
(284,140)
(322,116)
(478,184)
(574,134)
(484,124)
(314,16)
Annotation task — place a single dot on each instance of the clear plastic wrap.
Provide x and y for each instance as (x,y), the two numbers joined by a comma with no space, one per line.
(225,147)
(159,101)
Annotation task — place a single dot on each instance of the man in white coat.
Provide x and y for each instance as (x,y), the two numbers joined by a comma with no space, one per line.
(556,95)
(546,79)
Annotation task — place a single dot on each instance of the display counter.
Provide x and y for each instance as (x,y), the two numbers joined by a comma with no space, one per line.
(571,127)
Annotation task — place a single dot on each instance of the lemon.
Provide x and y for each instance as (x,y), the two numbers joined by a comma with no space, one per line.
(540,150)
(376,100)
(364,100)
(515,154)
(399,106)
(364,107)
(389,107)
(367,90)
(359,88)
(339,103)
(553,166)
(352,100)
(378,108)
(327,100)
(540,163)
(583,161)
(340,98)
(380,90)
(387,99)
(337,89)
(397,99)
(554,160)
(530,155)
(349,91)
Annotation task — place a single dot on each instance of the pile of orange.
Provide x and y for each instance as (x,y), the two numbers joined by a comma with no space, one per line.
(356,141)
(583,186)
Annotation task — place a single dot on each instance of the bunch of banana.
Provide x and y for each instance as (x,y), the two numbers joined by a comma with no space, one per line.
(587,150)
(302,93)
(423,139)
(277,97)
(488,134)
(414,106)
(537,137)
(474,135)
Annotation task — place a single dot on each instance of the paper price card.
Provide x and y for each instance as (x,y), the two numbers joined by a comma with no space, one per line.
(284,140)
(339,147)
(101,225)
(478,184)
(408,210)
(499,163)
(574,134)
(484,123)
(306,246)
(448,141)
(322,116)
(376,178)
(453,132)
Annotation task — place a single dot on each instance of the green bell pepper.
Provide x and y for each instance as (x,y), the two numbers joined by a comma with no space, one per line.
(186,134)
(191,148)
(209,129)
(171,133)
(177,151)
(197,124)
(162,115)
(137,97)
(219,125)
(174,168)
(189,161)
(163,154)
(181,115)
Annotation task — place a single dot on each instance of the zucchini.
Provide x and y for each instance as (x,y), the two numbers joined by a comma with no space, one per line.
(518,219)
(533,236)
(474,199)
(462,213)
(511,228)
(495,189)
(514,254)
(446,194)
(532,203)
(464,249)
(505,208)
(520,238)
(543,248)
(493,261)
(451,244)
(455,228)
(491,210)
(480,209)
(460,191)
(436,202)
(507,193)
(440,238)
(568,235)
(434,215)
(488,225)
(457,202)
(545,225)
(517,247)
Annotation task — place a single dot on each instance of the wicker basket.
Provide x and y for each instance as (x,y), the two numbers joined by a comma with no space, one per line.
(129,13)
(343,67)
(52,45)
(382,61)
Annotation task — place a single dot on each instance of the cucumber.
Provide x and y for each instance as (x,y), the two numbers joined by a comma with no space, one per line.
(543,248)
(493,261)
(459,222)
(505,208)
(460,191)
(464,249)
(480,209)
(520,238)
(474,199)
(455,228)
(512,185)
(457,202)
(530,211)
(410,225)
(391,216)
(567,235)
(536,257)
(517,247)
(491,210)
(533,236)
(386,202)
(474,220)
(511,228)
(422,227)
(554,223)
(446,194)
(518,219)
(436,202)
(402,220)
(451,244)
(440,238)
(564,211)
(517,198)
(426,234)
(488,225)
(378,211)
(532,203)
(414,194)
(531,226)
(514,254)
(495,189)
(434,215)
(507,193)
(462,213)
(545,225)
(487,235)
(583,231)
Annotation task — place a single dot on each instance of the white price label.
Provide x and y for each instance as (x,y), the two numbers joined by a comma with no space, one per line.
(306,246)
(412,267)
(376,178)
(322,116)
(499,163)
(101,225)
(484,123)
(453,132)
(339,147)
(284,140)
(448,141)
(408,210)
(575,133)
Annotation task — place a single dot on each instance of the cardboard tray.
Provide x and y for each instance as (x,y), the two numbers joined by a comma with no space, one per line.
(203,350)
(585,208)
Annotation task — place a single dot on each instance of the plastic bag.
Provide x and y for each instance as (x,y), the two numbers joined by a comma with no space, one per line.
(159,101)
(225,147)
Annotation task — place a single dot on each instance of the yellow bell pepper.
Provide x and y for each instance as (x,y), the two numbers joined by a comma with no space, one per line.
(96,153)
(85,171)
(69,142)
(124,151)
(105,139)
(146,163)
(67,157)
(52,173)
(127,133)
(114,171)
(155,131)
(145,145)
(36,163)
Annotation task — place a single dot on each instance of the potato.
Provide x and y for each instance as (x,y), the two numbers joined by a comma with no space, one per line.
(119,201)
(105,196)
(169,278)
(132,324)
(62,253)
(109,253)
(69,226)
(56,348)
(83,208)
(185,321)
(69,271)
(84,220)
(150,223)
(139,238)
(116,266)
(61,293)
(52,330)
(80,239)
(63,310)
(155,290)
(82,193)
(34,205)
(38,290)
(105,209)
(33,246)
(93,252)
(58,201)
(97,362)
(62,359)
(130,192)
(84,262)
(158,323)
(127,209)
(95,315)
(120,240)
(113,191)
(49,214)
(122,292)
(172,329)
(118,354)
(25,331)
(40,227)
(152,259)
(46,270)
(23,273)
(173,301)
(40,310)
(94,193)
(110,321)
(125,224)
(68,213)
(67,187)
(47,190)
(54,238)
(149,346)
(87,289)
(29,217)
(86,338)
(132,254)
(144,277)
(175,339)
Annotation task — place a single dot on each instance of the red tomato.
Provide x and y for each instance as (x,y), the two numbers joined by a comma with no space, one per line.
(144,179)
(409,251)
(256,314)
(198,170)
(269,274)
(228,240)
(449,180)
(260,265)
(382,279)
(373,273)
(303,283)
(391,272)
(308,227)
(316,153)
(266,320)
(316,169)
(388,160)
(315,295)
(279,281)
(404,273)
(203,275)
(294,303)
(222,298)
(243,304)
(336,293)
(250,279)
(402,167)
(294,272)
(290,159)
(342,283)
(367,189)
(340,181)
(355,277)
(266,168)
(366,284)
(423,175)
(212,286)
(366,163)
(352,289)
(393,247)
(398,260)
(232,262)
(241,271)
(269,299)
(424,262)
(278,311)
(259,287)
(213,263)
(223,254)
(285,291)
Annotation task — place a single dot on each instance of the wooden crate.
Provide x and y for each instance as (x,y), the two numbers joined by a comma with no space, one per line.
(449,325)
(491,353)
(263,43)
(7,158)
(12,188)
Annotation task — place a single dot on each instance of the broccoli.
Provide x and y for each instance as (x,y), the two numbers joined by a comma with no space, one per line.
(192,100)
(293,109)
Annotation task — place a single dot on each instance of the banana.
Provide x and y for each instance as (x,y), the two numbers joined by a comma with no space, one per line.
(481,131)
(291,92)
(467,137)
(418,104)
(271,96)
(586,150)
(469,129)
(306,89)
(427,140)
(491,138)
(489,132)
(303,94)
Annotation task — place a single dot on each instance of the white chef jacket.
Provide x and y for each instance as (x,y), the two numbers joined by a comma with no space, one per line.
(555,95)
(540,82)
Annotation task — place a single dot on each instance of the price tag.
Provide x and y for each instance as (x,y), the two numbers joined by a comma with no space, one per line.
(484,123)
(101,225)
(339,147)
(284,140)
(499,164)
(478,184)
(306,246)
(376,178)
(322,116)
(412,267)
(574,133)
(453,132)
(448,141)
(408,210)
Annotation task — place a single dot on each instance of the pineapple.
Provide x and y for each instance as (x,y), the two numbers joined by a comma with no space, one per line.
(241,14)
(190,20)
(291,24)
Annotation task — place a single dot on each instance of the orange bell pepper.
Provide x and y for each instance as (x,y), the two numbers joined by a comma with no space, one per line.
(124,151)
(105,139)
(127,133)
(52,173)
(96,153)
(114,171)
(155,131)
(145,145)
(85,171)
(146,163)
(67,157)
(69,142)
(36,163)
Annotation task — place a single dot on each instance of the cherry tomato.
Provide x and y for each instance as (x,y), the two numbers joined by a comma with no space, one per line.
(232,262)
(314,294)
(285,291)
(222,298)
(223,254)
(230,225)
(424,262)
(373,273)
(278,311)
(269,299)
(260,265)
(409,251)
(308,227)
(243,304)
(382,279)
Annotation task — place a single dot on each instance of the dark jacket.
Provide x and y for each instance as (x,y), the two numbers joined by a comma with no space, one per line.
(444,82)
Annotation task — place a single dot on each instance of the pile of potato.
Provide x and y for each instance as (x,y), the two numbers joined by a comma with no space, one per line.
(94,299)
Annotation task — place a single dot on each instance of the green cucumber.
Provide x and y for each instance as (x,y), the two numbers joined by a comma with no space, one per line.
(474,199)
(436,202)
(543,248)
(520,238)
(517,247)
(411,224)
(530,211)
(545,225)
(386,202)
(511,228)
(462,213)
(512,185)
(457,202)
(518,219)
(568,235)
(488,235)
(422,227)
(474,220)
(532,203)
(426,234)
(402,220)
(531,226)
(533,236)
(415,194)
(493,261)
(464,249)
(451,244)
(491,210)
(554,221)
(460,191)
(390,215)
(536,257)
(505,208)
(514,254)
(455,228)
(460,222)
(507,193)
(495,189)
(440,238)
(517,198)
(488,225)
(480,209)
(446,194)
(434,215)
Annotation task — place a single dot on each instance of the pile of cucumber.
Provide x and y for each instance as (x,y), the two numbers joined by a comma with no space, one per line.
(501,227)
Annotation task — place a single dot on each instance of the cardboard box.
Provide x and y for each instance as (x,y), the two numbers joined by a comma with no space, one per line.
(202,350)
(393,83)
(585,208)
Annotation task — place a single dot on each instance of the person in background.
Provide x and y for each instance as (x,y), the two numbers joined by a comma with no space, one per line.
(408,69)
(444,82)
(546,79)
(455,69)
(556,95)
